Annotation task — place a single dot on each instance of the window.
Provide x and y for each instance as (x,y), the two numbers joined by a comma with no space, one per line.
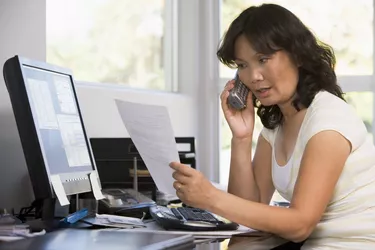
(363,103)
(110,41)
(347,26)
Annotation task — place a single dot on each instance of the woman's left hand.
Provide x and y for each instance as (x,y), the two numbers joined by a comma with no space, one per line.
(192,187)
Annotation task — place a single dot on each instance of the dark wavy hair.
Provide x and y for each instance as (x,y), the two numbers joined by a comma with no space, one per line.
(270,28)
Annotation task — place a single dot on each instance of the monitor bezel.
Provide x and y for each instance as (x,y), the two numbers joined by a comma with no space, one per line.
(73,183)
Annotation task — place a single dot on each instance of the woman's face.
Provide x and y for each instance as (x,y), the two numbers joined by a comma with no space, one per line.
(272,78)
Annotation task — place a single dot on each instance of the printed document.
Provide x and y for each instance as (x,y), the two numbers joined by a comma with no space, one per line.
(150,129)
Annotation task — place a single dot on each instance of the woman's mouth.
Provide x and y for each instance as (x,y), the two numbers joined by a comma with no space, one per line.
(262,92)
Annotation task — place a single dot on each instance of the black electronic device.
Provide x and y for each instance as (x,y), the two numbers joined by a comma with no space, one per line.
(191,219)
(238,94)
(115,159)
(51,129)
(127,202)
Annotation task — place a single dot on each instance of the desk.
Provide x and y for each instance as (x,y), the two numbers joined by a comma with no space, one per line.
(81,239)
(91,239)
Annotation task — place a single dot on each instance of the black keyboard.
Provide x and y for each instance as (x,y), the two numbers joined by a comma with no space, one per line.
(188,218)
(194,214)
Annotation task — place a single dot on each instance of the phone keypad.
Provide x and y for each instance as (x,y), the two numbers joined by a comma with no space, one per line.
(243,91)
(238,95)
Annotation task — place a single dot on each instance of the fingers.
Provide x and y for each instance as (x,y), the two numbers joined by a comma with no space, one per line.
(178,176)
(249,100)
(179,189)
(225,93)
(228,86)
(177,185)
(183,169)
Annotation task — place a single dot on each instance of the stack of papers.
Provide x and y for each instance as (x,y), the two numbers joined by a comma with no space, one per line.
(153,226)
(109,220)
(12,229)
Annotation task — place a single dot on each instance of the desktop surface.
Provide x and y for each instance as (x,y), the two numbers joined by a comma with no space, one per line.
(95,239)
(80,239)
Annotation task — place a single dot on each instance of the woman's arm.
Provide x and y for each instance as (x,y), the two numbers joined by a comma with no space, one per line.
(251,180)
(321,166)
(262,166)
(241,176)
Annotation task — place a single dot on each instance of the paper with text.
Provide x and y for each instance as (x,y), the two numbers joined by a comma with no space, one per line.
(150,129)
(59,190)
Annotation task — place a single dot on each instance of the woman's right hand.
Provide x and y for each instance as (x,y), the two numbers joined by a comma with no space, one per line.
(241,122)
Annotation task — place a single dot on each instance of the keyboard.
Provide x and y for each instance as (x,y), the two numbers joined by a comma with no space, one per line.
(189,218)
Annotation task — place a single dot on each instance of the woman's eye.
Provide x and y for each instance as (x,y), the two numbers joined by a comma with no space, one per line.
(240,65)
(263,60)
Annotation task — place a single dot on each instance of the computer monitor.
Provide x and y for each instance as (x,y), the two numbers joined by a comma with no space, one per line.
(50,127)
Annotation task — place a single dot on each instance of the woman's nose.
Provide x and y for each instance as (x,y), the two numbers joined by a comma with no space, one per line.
(252,76)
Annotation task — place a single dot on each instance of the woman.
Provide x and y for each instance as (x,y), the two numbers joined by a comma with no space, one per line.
(313,148)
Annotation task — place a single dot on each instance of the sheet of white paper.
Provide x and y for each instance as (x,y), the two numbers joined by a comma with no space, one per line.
(153,226)
(150,129)
(121,219)
(95,186)
(59,190)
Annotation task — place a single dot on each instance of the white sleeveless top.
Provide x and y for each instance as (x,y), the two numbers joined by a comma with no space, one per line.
(280,174)
(349,219)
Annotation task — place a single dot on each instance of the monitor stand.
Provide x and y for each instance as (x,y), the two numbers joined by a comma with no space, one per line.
(48,213)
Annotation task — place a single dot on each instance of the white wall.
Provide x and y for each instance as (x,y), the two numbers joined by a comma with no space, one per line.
(103,120)
(23,32)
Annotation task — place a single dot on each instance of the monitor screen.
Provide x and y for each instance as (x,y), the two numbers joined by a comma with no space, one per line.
(59,126)
(50,125)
